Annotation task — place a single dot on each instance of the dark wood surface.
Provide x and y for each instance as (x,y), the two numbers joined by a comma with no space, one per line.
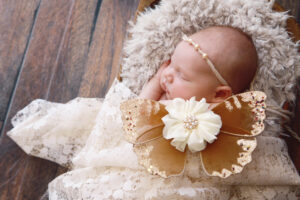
(294,145)
(293,6)
(56,50)
(16,24)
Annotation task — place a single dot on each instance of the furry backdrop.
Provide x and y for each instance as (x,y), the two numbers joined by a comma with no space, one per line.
(156,32)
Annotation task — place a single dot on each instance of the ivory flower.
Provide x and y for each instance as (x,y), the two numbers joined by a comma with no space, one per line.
(190,123)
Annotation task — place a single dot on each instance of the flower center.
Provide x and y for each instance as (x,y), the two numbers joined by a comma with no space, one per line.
(190,122)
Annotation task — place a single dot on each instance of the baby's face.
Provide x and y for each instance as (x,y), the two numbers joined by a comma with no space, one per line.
(188,75)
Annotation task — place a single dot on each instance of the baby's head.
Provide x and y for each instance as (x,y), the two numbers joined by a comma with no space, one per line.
(188,74)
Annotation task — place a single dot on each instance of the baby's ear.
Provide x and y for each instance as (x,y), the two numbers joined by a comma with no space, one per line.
(221,93)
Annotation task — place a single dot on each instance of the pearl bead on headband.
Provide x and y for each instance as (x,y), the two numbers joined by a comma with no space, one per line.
(205,57)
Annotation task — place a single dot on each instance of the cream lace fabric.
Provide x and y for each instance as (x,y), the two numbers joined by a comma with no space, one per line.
(87,135)
(53,130)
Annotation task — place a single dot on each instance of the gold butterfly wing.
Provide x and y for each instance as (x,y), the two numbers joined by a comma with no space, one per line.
(242,118)
(143,127)
(243,114)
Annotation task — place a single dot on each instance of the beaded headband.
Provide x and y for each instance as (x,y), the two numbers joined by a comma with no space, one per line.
(205,57)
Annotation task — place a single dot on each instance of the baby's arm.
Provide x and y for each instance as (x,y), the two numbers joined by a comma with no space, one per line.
(152,89)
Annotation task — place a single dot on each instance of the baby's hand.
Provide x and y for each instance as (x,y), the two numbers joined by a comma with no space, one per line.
(161,69)
(152,89)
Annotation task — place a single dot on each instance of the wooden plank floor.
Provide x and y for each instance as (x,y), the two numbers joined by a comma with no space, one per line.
(56,50)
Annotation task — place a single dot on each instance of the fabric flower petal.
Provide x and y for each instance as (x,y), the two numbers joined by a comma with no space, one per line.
(175,108)
(179,143)
(200,107)
(190,123)
(204,133)
(176,131)
(196,143)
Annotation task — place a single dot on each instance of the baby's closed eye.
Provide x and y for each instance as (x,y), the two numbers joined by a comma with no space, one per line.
(183,76)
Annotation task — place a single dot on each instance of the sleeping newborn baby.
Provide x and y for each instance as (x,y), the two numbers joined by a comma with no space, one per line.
(213,63)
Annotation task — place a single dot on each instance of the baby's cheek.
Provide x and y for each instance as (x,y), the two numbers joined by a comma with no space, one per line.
(185,94)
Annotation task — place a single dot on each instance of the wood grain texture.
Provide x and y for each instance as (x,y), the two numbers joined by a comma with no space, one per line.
(293,6)
(16,22)
(104,55)
(24,177)
(70,64)
(74,43)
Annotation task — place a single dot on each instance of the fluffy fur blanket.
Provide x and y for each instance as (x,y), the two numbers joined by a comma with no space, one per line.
(157,31)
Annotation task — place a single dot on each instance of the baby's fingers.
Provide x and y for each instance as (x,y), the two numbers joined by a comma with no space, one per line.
(163,66)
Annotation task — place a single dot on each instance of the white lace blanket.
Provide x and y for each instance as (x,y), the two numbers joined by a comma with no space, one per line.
(86,134)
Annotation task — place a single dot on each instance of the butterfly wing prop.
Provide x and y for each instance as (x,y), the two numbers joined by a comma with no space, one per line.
(242,118)
(143,127)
